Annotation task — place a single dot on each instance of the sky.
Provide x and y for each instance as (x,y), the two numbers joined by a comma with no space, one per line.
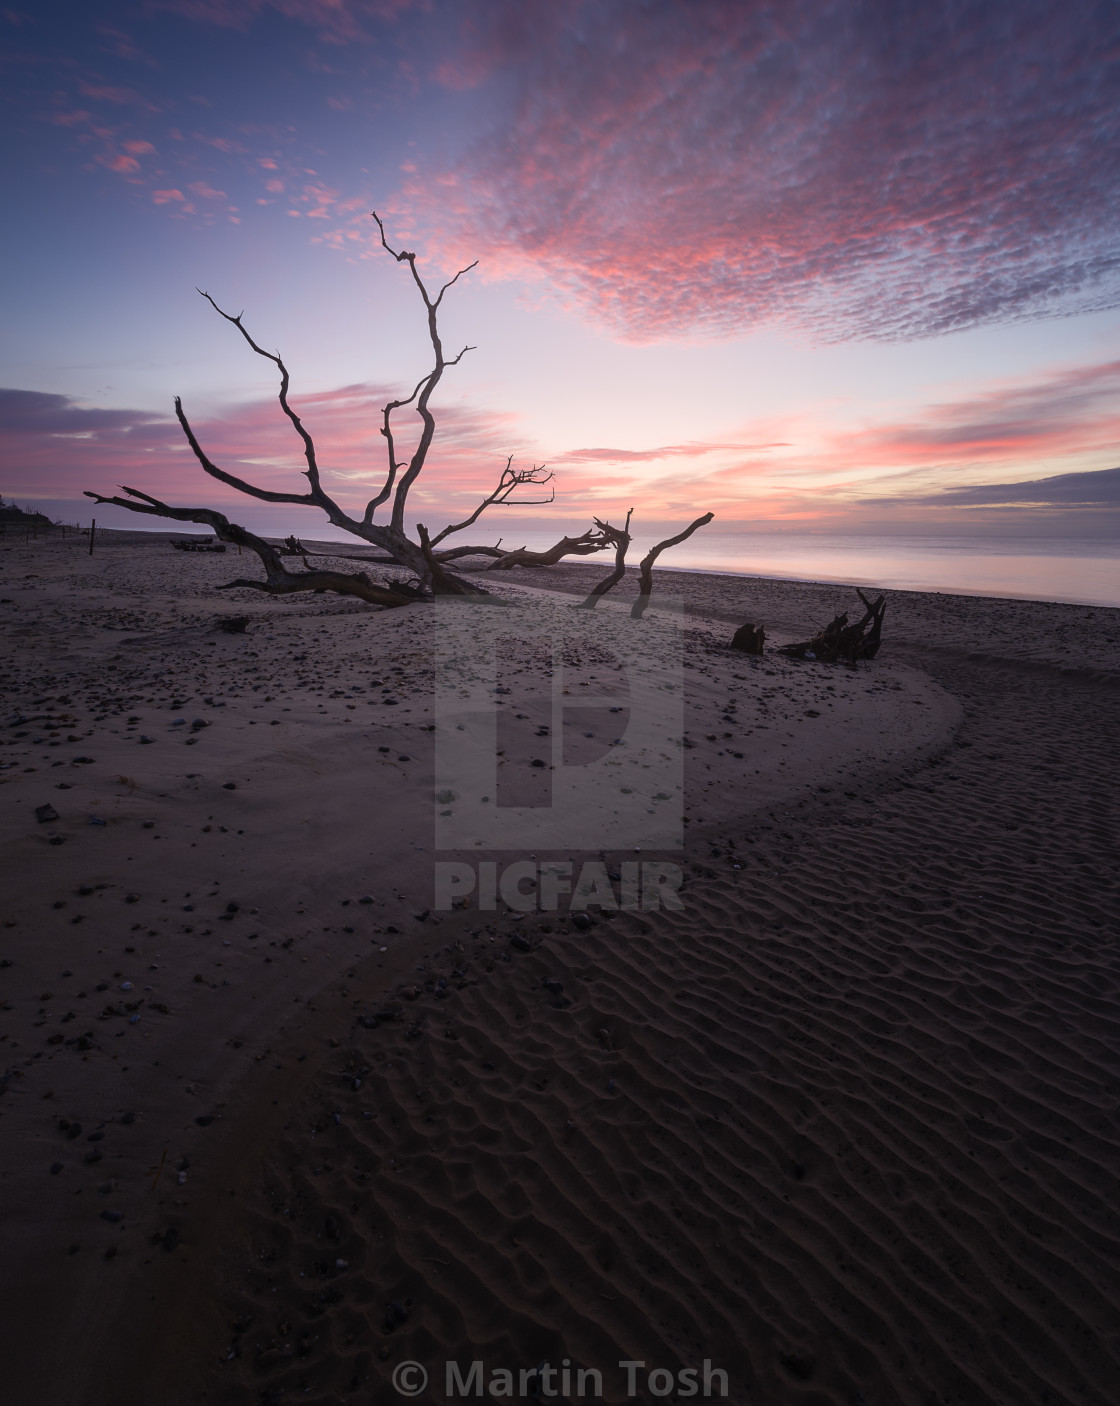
(815,265)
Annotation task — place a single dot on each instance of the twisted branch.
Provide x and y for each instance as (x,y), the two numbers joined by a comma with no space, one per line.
(278,580)
(620,537)
(645,566)
(425,387)
(510,481)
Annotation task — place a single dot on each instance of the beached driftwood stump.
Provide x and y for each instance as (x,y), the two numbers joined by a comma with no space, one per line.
(842,643)
(749,638)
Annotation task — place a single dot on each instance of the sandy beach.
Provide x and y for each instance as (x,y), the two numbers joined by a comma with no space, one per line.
(843,1126)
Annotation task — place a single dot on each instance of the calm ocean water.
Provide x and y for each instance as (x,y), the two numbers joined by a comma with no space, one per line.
(1084,572)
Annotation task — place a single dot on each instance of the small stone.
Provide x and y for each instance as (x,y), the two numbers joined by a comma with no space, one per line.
(45,814)
(112,1216)
(229,785)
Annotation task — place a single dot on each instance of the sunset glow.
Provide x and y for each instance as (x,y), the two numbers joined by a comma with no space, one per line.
(844,266)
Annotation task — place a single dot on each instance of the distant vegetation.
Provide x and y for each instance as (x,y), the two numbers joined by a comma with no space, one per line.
(11,516)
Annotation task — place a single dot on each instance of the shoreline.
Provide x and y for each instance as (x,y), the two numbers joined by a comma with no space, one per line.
(911,828)
(869,582)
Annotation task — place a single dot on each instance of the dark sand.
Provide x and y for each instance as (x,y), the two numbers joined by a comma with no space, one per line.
(846,1126)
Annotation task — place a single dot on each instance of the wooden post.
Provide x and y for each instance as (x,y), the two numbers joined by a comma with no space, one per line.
(92,530)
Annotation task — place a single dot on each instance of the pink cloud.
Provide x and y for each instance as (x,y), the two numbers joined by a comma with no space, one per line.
(119,162)
(172,197)
(945,459)
(1071,410)
(106,93)
(645,456)
(856,171)
(56,448)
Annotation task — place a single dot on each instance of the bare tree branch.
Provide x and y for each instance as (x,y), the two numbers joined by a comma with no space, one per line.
(312,470)
(620,537)
(278,580)
(645,566)
(510,481)
(457,553)
(234,482)
(390,447)
(586,544)
(420,454)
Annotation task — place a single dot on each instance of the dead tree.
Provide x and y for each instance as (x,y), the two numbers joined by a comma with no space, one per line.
(432,576)
(645,566)
(620,537)
(840,642)
(428,563)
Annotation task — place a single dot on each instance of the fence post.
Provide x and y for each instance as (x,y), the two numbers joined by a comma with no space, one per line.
(92,530)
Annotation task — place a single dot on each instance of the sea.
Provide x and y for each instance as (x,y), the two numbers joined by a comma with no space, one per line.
(1078,571)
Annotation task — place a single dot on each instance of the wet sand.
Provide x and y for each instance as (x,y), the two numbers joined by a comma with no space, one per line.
(845,1126)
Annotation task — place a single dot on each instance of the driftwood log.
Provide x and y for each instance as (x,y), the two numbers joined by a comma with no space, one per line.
(620,536)
(844,643)
(645,566)
(749,638)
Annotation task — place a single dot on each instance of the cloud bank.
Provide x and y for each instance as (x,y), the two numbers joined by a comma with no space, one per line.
(862,169)
(54,449)
(1098,489)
